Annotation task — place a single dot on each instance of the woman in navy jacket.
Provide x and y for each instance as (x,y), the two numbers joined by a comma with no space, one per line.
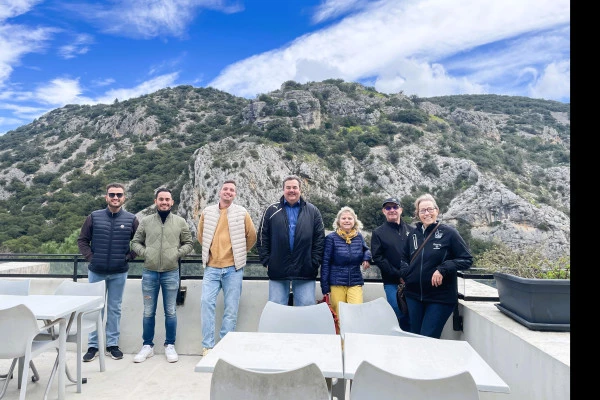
(345,252)
(431,290)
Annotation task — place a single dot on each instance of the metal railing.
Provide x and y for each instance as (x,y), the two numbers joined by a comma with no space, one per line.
(74,266)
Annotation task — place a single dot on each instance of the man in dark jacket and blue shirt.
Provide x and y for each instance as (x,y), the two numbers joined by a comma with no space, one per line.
(387,243)
(291,240)
(104,242)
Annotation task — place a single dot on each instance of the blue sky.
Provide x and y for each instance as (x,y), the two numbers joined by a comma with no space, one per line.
(58,52)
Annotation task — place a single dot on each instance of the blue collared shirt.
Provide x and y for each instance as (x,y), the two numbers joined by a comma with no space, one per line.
(292,215)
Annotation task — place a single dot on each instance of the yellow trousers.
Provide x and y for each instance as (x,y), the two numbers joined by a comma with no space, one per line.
(347,294)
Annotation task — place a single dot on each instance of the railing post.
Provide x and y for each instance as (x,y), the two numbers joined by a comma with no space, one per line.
(75,267)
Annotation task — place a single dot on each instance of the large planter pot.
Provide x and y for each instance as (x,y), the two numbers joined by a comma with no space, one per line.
(538,304)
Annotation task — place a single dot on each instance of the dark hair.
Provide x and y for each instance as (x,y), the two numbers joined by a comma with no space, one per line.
(161,189)
(291,178)
(115,185)
(229,181)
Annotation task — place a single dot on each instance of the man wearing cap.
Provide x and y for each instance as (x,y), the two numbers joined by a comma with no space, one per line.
(387,242)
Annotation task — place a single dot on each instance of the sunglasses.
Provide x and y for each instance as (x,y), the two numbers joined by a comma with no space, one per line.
(119,195)
(388,208)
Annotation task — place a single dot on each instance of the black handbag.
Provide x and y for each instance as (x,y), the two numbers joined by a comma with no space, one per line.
(401,299)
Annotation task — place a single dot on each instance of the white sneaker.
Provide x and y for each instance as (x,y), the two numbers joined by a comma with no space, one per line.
(171,353)
(146,352)
(205,351)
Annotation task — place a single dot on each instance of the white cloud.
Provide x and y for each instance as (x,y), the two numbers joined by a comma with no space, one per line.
(103,82)
(554,83)
(149,18)
(59,91)
(16,41)
(334,8)
(12,8)
(79,46)
(20,114)
(422,79)
(403,45)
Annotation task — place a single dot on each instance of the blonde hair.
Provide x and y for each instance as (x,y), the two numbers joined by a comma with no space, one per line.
(357,224)
(422,198)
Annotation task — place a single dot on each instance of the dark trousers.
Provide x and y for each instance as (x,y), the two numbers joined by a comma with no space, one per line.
(428,318)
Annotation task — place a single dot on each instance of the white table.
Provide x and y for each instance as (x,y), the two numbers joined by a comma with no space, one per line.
(271,352)
(419,357)
(55,307)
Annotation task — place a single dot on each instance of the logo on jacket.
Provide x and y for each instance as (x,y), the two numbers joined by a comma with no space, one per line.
(438,234)
(122,226)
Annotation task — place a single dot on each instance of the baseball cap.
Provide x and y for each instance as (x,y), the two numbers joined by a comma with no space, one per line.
(391,200)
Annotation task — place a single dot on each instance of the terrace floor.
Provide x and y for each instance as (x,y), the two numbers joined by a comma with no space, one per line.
(123,379)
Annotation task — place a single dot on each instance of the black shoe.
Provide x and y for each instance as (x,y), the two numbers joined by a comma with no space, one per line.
(91,354)
(114,352)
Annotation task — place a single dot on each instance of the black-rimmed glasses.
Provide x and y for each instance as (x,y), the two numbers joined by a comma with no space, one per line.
(426,210)
(119,195)
(388,208)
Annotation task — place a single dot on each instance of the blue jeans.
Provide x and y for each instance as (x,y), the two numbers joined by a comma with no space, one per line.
(428,318)
(152,282)
(213,281)
(390,294)
(115,286)
(304,291)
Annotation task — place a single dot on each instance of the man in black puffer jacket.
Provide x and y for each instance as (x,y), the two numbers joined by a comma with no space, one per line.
(387,244)
(291,240)
(104,242)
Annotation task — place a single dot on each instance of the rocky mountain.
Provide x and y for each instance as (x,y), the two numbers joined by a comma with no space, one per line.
(499,166)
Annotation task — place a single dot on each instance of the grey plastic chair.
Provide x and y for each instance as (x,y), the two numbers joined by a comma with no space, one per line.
(89,321)
(15,287)
(371,382)
(230,382)
(20,328)
(18,287)
(375,317)
(315,318)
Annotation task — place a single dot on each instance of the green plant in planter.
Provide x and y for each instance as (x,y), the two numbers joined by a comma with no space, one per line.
(529,263)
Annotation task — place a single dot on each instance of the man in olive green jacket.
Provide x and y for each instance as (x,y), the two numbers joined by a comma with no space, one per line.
(161,239)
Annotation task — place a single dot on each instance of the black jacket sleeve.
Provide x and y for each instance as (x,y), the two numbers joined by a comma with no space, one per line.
(85,238)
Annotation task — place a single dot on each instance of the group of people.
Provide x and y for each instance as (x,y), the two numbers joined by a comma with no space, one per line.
(292,246)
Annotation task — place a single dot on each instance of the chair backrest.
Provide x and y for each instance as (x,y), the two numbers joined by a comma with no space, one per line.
(18,326)
(315,318)
(230,382)
(374,317)
(15,287)
(371,382)
(72,288)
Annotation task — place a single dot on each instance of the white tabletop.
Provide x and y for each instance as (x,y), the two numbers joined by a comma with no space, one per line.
(419,357)
(50,306)
(271,352)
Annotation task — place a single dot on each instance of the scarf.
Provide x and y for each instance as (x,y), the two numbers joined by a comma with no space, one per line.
(347,236)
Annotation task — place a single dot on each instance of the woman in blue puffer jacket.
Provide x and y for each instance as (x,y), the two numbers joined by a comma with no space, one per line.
(345,252)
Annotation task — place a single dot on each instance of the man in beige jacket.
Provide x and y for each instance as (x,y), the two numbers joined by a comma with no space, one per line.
(226,233)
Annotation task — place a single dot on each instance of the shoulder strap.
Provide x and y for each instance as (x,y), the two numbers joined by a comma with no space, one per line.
(423,244)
